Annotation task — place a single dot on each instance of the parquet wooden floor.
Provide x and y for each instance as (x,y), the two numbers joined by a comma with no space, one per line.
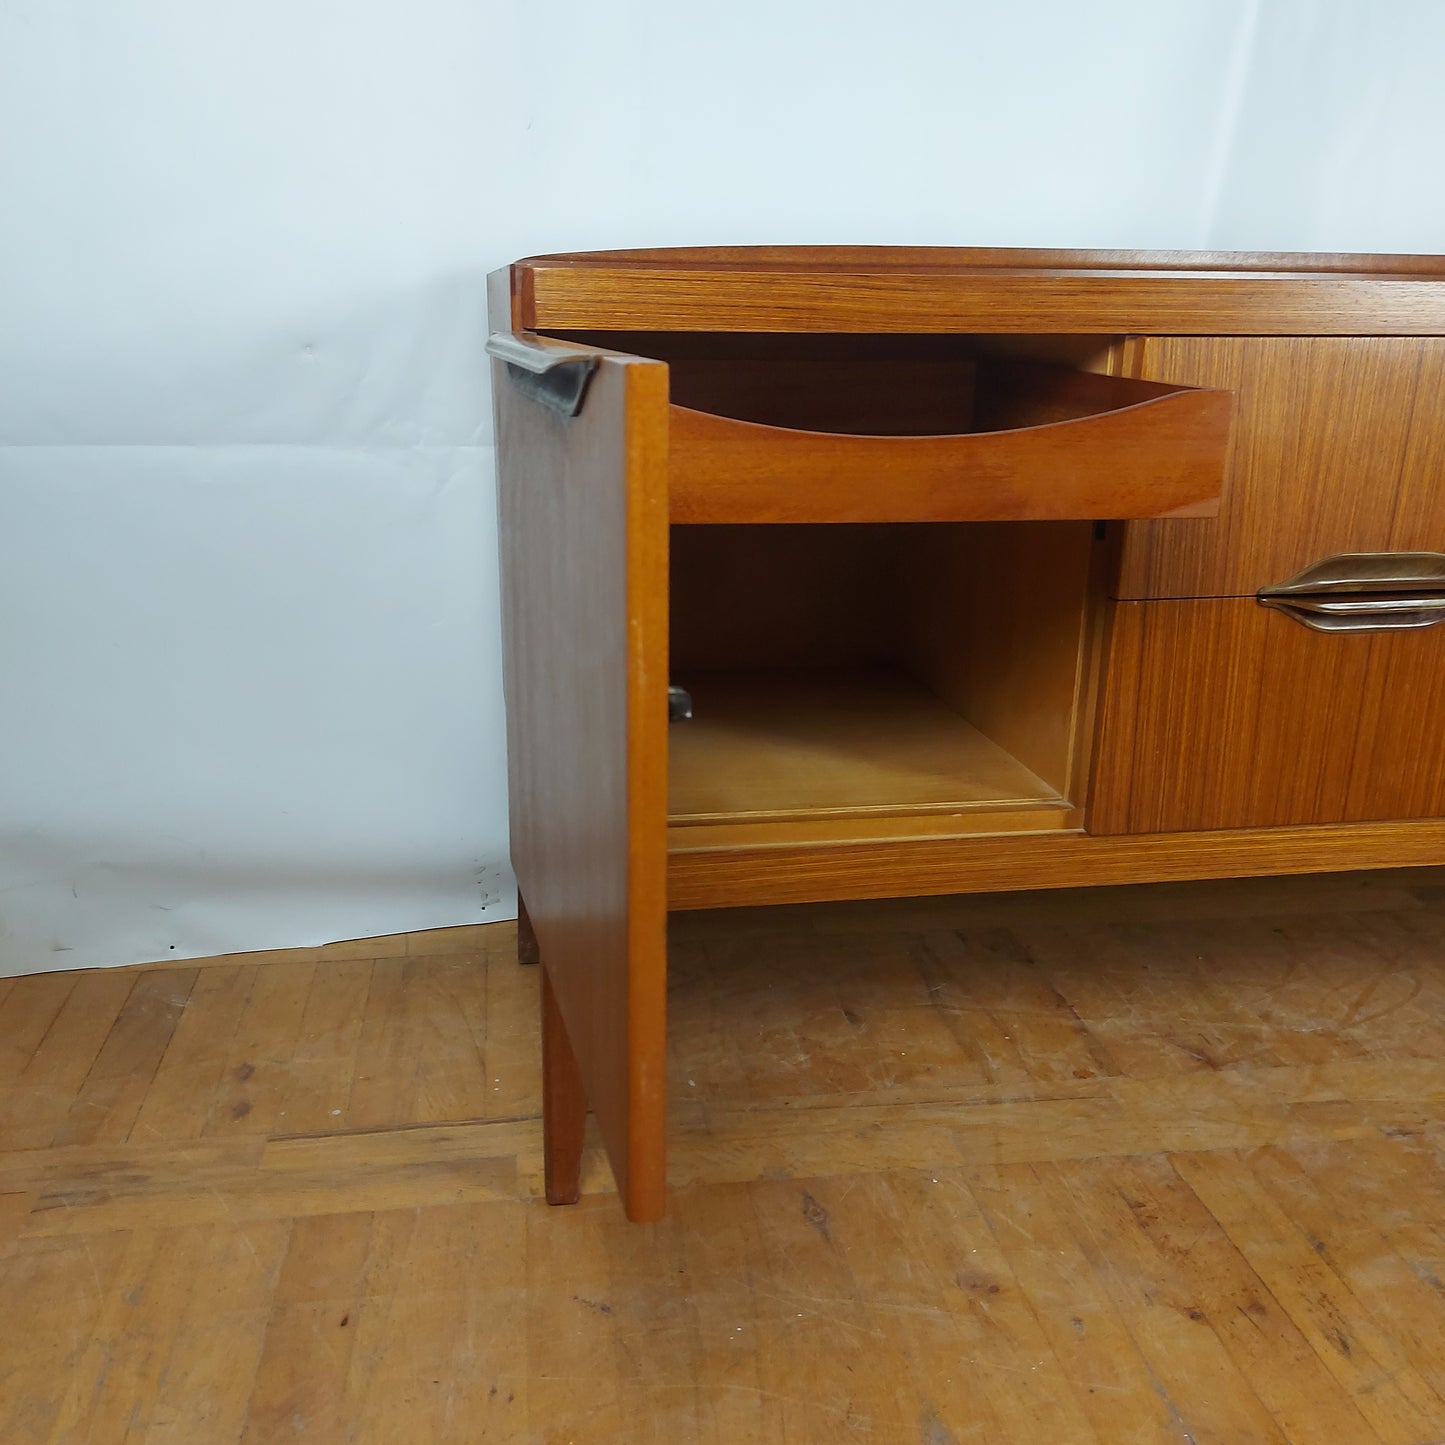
(1108,1166)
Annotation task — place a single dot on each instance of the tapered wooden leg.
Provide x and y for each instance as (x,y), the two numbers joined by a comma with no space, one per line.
(527,950)
(564,1104)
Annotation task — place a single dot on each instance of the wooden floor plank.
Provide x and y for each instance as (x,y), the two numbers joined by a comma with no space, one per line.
(31,1006)
(1035,1032)
(655,1330)
(79,1030)
(105,1106)
(573,1354)
(254,1084)
(54,1291)
(728,1283)
(796,1023)
(449,993)
(235,1188)
(324,1056)
(1146,998)
(1338,1217)
(1398,1176)
(1085,1328)
(514,1037)
(1263,1342)
(207,1378)
(298,1391)
(932,1270)
(447,1363)
(116,1379)
(1110,1378)
(1371,1366)
(383,1089)
(33,1106)
(172,1348)
(180,1098)
(1126,1165)
(14,1210)
(1207,1395)
(824,1347)
(482,939)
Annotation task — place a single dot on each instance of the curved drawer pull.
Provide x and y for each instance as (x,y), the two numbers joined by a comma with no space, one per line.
(1364,592)
(550,372)
(1363,614)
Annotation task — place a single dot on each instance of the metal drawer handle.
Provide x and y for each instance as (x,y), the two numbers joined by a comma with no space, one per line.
(550,372)
(1364,592)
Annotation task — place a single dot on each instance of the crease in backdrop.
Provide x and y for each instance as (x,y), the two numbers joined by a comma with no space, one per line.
(250,684)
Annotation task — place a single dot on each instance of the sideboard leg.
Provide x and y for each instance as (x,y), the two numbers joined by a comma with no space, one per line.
(564,1105)
(527,950)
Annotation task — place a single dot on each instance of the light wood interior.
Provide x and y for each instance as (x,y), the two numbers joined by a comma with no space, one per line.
(854,677)
(995,628)
(823,742)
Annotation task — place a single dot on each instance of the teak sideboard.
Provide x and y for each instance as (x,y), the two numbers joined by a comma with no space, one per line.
(982,570)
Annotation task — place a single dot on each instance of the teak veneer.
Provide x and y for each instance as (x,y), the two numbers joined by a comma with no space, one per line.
(958,553)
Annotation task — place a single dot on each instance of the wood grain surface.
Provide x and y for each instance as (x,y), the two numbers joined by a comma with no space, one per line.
(805,596)
(998,624)
(885,289)
(1155,1163)
(1337,448)
(583,527)
(795,870)
(1220,713)
(1160,456)
(1000,818)
(819,743)
(928,259)
(1418,524)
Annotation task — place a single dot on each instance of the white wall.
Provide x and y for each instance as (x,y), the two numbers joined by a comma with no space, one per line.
(248,618)
(1336,142)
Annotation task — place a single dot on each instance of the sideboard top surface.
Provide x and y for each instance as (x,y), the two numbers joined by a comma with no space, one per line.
(875,289)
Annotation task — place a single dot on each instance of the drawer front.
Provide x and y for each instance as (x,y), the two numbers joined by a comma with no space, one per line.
(1029,442)
(1338,446)
(1221,713)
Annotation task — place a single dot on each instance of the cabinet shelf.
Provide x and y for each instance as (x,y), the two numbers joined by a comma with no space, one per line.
(859,682)
(781,745)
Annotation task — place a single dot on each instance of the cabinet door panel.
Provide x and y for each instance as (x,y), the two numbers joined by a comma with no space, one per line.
(1220,713)
(582,505)
(1337,448)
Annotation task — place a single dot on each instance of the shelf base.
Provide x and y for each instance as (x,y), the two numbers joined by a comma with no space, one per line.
(795,745)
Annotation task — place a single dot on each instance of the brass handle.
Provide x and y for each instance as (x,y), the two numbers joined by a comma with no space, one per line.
(551,372)
(1364,592)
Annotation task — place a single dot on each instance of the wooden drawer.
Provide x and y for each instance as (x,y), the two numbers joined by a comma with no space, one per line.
(1016,441)
(1220,713)
(1338,447)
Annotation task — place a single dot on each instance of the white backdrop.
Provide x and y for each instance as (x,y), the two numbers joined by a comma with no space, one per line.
(248,615)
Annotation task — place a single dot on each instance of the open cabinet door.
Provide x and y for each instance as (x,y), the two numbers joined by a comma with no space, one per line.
(582,476)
